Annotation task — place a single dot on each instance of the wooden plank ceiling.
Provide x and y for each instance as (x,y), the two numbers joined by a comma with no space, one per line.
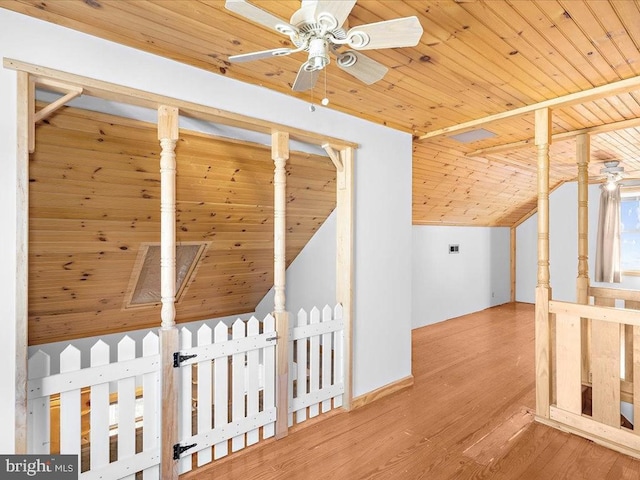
(95,199)
(476,58)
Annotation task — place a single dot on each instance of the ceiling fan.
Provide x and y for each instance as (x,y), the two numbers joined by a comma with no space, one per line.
(613,174)
(319,28)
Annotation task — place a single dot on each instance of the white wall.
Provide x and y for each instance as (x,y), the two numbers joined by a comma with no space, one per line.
(382,291)
(311,277)
(563,247)
(449,285)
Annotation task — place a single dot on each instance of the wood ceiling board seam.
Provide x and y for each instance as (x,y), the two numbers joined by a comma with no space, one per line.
(592,28)
(526,68)
(627,12)
(523,29)
(546,27)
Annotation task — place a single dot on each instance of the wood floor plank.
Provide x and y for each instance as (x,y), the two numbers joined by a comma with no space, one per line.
(473,376)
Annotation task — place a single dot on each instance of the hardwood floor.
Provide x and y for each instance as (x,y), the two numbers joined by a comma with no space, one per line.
(466,417)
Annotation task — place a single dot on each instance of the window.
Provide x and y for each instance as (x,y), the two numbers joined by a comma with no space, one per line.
(144,286)
(630,231)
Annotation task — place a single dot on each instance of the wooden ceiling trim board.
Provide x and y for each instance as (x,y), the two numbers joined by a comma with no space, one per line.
(557,137)
(621,86)
(118,93)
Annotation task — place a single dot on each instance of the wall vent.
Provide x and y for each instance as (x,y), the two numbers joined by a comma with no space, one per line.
(144,285)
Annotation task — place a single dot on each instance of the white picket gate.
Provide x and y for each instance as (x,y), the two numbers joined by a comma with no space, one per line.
(77,390)
(109,413)
(316,359)
(235,375)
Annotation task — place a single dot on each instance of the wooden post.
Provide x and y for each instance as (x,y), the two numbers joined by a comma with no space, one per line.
(512,259)
(25,102)
(344,262)
(583,152)
(280,154)
(543,289)
(168,135)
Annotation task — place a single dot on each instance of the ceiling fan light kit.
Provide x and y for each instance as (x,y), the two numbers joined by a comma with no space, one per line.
(318,28)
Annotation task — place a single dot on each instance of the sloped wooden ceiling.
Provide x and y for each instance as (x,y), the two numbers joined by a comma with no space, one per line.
(95,199)
(476,58)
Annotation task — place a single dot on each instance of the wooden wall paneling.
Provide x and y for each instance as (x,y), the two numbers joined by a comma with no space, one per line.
(569,363)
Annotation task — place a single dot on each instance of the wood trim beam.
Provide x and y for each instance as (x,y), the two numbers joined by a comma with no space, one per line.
(512,258)
(168,132)
(543,290)
(610,89)
(24,102)
(141,98)
(53,106)
(344,264)
(557,137)
(334,156)
(280,155)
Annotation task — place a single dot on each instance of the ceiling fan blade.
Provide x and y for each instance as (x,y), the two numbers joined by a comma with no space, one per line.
(257,15)
(340,9)
(305,80)
(250,57)
(362,67)
(400,32)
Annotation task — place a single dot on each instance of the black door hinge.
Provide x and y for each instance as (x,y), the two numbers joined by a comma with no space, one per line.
(180,449)
(178,359)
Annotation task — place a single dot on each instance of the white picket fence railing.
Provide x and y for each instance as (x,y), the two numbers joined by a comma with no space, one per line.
(233,375)
(76,390)
(316,363)
(110,413)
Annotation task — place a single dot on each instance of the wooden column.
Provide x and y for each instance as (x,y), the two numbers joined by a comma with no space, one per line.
(512,258)
(168,135)
(26,136)
(583,152)
(543,289)
(344,261)
(280,154)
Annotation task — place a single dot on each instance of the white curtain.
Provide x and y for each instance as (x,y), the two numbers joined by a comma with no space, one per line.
(608,241)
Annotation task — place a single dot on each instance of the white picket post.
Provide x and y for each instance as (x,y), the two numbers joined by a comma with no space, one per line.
(301,361)
(221,391)
(70,408)
(127,405)
(314,362)
(151,405)
(253,383)
(185,414)
(269,366)
(238,387)
(99,411)
(39,419)
(326,357)
(204,394)
(338,355)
